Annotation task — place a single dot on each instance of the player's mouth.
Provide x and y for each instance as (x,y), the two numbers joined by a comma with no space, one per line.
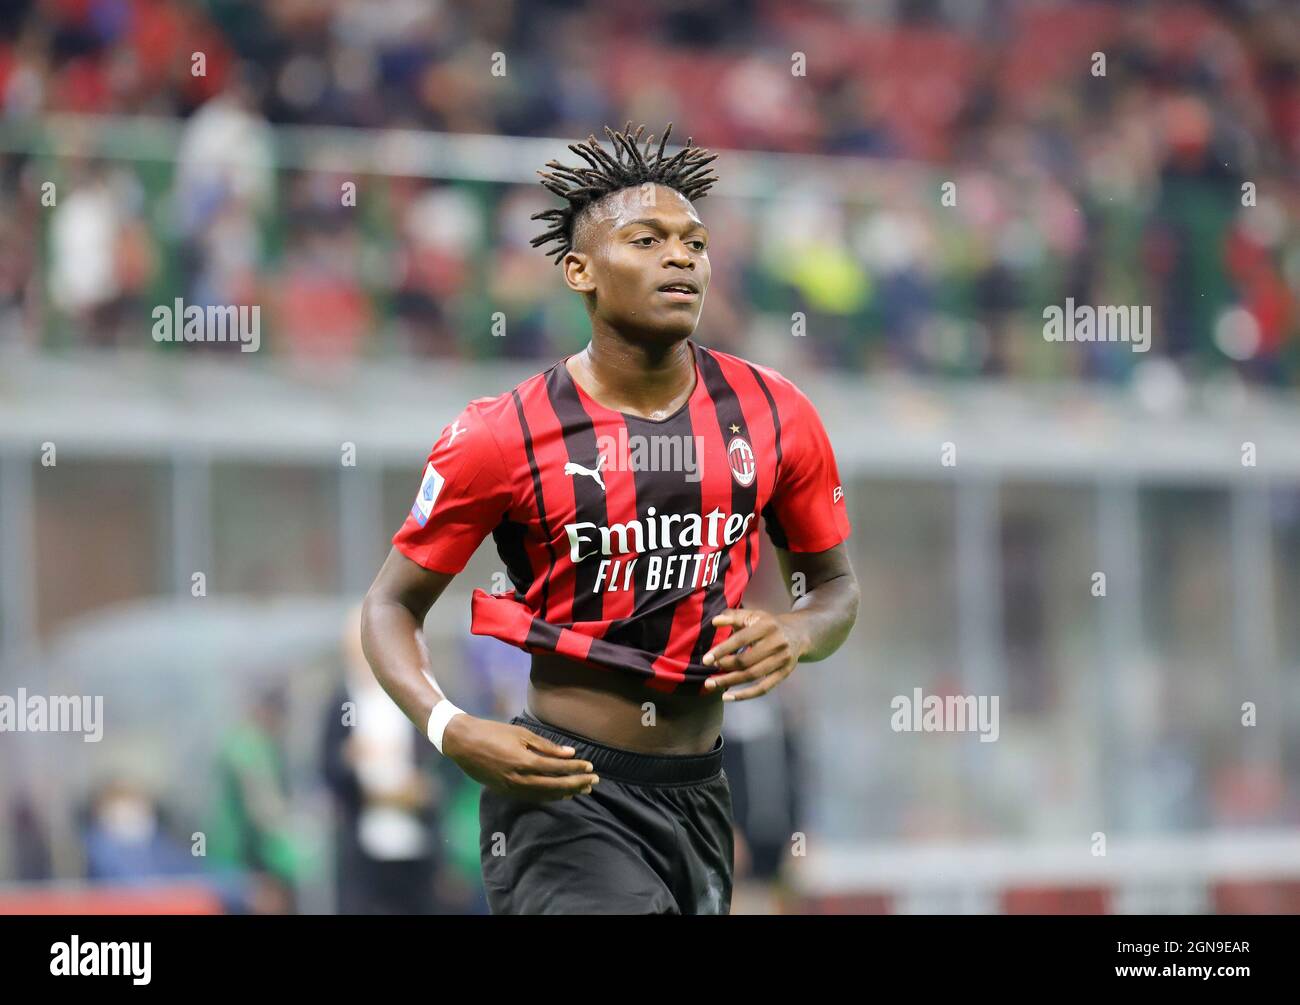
(682,290)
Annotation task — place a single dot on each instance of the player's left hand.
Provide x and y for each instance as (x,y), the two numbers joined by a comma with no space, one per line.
(772,648)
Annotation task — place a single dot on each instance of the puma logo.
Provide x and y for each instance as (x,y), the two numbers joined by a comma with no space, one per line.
(570,468)
(455,431)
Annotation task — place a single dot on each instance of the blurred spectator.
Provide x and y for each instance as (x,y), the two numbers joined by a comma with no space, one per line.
(377,766)
(28,841)
(125,839)
(101,255)
(250,830)
(224,190)
(760,758)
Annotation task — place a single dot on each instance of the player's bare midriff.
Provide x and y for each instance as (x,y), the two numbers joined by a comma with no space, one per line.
(610,708)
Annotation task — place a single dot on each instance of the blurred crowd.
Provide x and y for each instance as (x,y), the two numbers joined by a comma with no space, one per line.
(1165,177)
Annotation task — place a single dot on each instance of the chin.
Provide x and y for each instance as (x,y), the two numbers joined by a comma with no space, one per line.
(663,331)
(675,332)
(680,324)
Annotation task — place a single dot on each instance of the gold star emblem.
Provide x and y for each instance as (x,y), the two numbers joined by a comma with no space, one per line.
(735,428)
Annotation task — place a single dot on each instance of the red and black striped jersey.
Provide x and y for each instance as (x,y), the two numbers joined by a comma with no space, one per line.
(623,537)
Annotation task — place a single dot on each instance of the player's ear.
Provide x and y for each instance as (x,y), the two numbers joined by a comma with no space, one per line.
(577,272)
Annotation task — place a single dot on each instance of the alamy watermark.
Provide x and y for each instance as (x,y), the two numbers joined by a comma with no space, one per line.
(953,713)
(182,322)
(638,452)
(75,958)
(1107,323)
(60,713)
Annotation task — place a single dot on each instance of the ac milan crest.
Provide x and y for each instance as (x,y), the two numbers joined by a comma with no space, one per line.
(740,455)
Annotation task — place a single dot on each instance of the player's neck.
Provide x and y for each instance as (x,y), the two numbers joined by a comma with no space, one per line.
(651,380)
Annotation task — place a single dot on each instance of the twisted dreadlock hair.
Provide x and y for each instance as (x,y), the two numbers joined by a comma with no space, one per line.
(686,171)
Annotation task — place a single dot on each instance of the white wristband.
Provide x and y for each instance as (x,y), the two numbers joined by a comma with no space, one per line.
(441,715)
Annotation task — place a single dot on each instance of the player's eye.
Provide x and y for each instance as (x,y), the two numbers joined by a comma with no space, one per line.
(697,244)
(648,241)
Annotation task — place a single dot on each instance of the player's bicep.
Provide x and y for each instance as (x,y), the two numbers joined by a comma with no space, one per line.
(804,571)
(401,581)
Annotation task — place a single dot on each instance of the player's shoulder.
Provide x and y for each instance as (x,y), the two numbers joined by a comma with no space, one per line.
(784,391)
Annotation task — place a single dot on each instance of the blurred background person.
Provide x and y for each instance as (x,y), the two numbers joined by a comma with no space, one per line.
(386,798)
(251,832)
(761,762)
(127,840)
(101,253)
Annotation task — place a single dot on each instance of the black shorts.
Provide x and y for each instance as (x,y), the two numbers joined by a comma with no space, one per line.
(653,837)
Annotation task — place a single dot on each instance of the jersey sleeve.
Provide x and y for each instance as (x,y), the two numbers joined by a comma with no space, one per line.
(807,512)
(464,492)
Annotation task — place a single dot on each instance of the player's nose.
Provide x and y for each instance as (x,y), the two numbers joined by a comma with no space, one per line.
(677,254)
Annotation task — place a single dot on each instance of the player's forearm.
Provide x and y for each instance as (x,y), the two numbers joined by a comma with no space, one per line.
(824,616)
(393,641)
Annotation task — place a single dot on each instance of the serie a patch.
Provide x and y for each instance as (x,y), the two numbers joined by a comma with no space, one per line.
(428,495)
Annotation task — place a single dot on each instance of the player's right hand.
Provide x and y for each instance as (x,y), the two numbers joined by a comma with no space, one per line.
(515,761)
